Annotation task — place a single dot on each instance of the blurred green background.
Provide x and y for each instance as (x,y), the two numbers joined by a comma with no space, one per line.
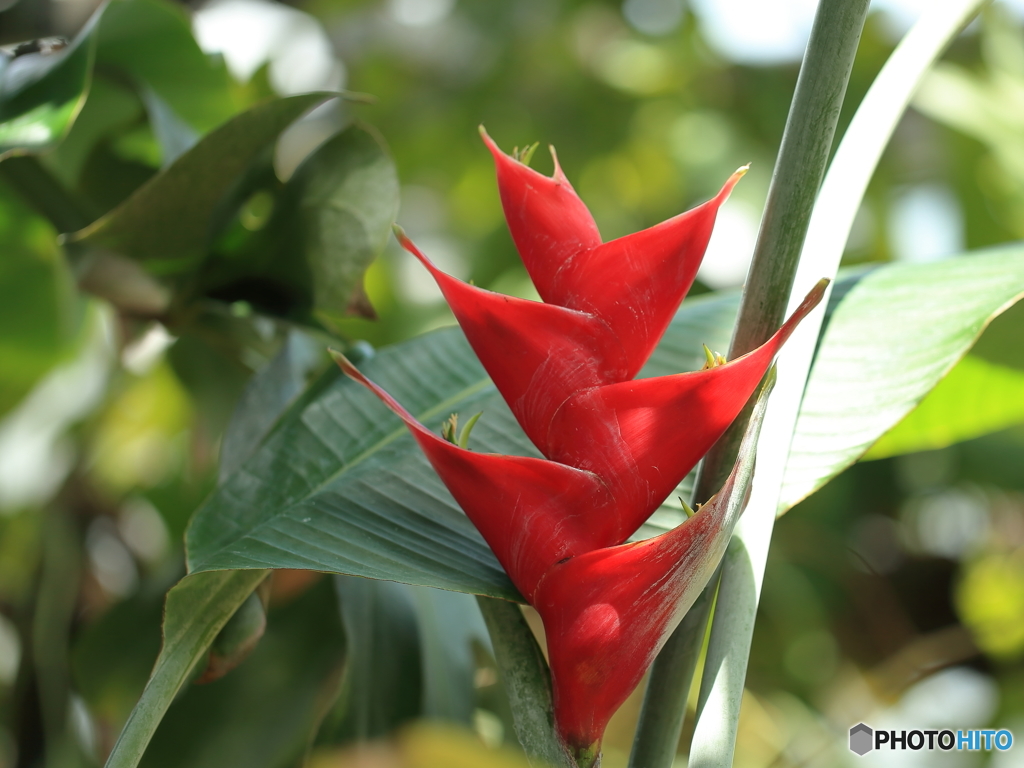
(894,595)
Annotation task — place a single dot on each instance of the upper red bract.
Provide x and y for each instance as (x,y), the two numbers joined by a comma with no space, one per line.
(615,447)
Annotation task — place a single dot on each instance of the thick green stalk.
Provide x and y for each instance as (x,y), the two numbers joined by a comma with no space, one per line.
(826,234)
(803,156)
(527,681)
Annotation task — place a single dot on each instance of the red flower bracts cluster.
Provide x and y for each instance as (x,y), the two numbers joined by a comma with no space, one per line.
(614,447)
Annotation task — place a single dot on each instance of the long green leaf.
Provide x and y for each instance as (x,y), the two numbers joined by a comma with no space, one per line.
(896,335)
(340,486)
(976,398)
(196,610)
(261,714)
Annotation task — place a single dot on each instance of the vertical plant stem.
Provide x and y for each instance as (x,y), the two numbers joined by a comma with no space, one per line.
(806,142)
(826,234)
(803,156)
(527,680)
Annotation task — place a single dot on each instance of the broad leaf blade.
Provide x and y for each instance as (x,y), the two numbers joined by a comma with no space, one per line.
(896,335)
(196,610)
(267,395)
(347,199)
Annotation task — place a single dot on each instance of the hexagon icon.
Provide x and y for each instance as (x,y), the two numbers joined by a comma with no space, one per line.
(861,739)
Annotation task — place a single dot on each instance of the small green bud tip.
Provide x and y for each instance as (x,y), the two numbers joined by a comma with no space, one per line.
(686,508)
(709,355)
(464,434)
(587,757)
(449,429)
(712,359)
(399,234)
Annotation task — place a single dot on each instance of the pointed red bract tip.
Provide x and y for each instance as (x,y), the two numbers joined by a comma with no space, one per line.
(548,221)
(654,268)
(654,431)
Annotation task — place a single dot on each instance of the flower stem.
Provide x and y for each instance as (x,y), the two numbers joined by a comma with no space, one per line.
(799,170)
(826,234)
(527,681)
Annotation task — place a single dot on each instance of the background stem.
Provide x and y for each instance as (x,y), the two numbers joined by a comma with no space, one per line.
(527,680)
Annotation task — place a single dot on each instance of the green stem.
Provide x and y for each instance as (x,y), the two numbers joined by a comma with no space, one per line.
(826,234)
(800,167)
(527,681)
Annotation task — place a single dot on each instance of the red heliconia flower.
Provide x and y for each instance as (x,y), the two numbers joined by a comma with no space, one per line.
(614,447)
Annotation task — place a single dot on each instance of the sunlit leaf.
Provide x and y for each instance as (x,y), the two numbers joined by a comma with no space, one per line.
(977,397)
(42,93)
(892,339)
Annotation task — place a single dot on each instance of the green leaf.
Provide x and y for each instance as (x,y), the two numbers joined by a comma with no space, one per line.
(195,611)
(340,486)
(977,397)
(166,222)
(42,93)
(267,395)
(330,220)
(450,624)
(111,106)
(346,197)
(382,687)
(895,336)
(151,41)
(260,715)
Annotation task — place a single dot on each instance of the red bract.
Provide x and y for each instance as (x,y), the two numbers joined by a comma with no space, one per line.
(614,447)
